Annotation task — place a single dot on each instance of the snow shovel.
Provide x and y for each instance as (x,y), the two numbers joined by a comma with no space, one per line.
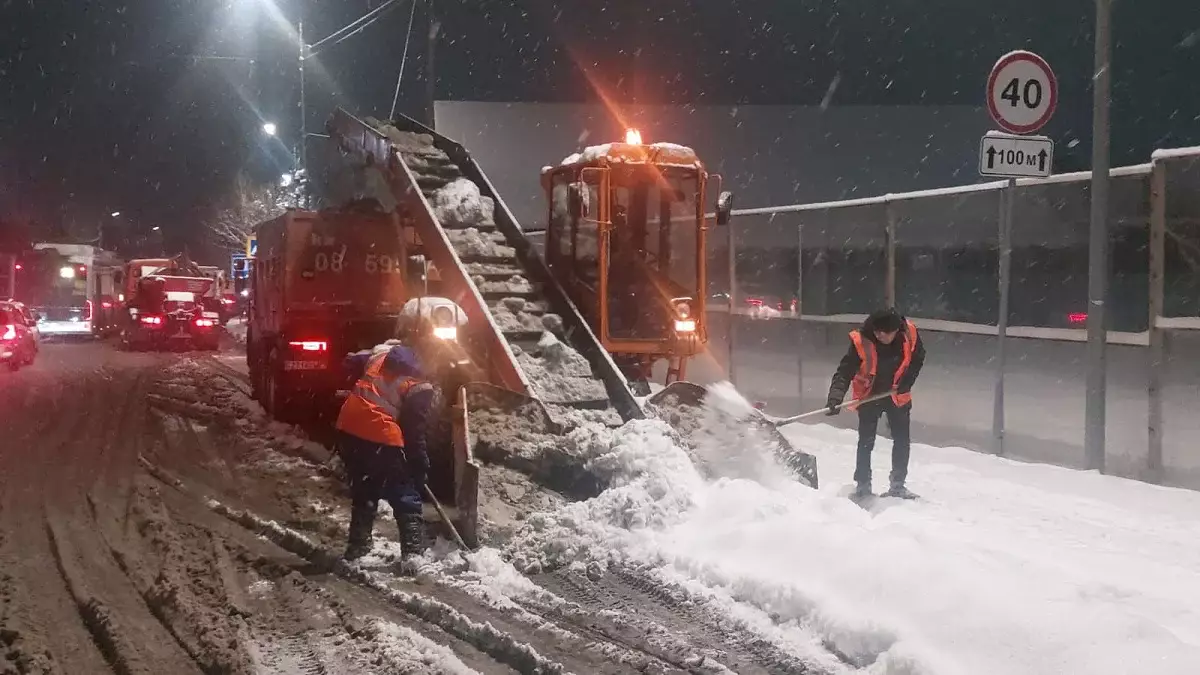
(781,421)
(446,519)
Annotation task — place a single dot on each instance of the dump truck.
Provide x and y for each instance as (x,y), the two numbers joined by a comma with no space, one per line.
(167,311)
(324,284)
(541,342)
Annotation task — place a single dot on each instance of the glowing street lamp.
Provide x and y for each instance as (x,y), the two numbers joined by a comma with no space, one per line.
(269,128)
(116,214)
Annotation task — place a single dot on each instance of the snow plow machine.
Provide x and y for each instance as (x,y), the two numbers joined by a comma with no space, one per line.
(556,340)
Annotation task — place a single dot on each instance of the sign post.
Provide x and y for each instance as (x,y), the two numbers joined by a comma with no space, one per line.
(1095,414)
(1022,93)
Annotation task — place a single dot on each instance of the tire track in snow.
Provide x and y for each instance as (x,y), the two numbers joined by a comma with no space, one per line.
(501,646)
(41,622)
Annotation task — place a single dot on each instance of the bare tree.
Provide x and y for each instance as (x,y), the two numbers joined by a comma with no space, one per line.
(248,205)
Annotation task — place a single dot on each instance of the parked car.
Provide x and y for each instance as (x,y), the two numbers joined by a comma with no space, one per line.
(18,335)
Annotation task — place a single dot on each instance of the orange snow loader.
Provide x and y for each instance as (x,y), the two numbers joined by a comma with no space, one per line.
(627,238)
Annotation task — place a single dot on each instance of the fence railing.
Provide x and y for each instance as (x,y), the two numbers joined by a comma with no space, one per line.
(936,256)
(1174,287)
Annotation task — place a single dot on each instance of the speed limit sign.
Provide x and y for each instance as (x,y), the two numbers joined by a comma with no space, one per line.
(1022,92)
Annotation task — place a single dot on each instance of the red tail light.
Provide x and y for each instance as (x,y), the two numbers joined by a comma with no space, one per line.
(10,333)
(204,323)
(1077,317)
(152,320)
(310,345)
(106,304)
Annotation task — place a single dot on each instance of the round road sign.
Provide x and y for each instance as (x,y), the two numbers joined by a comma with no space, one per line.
(1022,92)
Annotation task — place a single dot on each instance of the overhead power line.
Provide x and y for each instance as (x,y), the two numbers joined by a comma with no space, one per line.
(353,27)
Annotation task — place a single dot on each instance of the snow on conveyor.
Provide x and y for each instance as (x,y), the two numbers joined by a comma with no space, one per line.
(1004,568)
(558,374)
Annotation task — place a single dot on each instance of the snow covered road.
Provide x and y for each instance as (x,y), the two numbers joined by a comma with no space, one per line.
(157,522)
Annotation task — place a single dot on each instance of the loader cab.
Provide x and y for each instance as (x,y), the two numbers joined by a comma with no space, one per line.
(627,239)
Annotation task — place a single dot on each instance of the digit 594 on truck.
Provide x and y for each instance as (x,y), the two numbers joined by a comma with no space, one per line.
(323,284)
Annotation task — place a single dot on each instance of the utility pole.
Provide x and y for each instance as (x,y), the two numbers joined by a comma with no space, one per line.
(303,116)
(1098,265)
(431,73)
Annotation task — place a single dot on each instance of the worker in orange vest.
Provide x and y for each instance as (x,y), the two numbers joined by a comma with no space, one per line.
(885,355)
(382,430)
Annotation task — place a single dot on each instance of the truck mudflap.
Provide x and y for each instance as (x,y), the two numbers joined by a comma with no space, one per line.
(682,405)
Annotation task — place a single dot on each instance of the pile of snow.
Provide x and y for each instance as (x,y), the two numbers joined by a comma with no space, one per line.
(407,651)
(460,204)
(596,152)
(558,373)
(237,328)
(404,141)
(472,242)
(1003,568)
(510,315)
(513,284)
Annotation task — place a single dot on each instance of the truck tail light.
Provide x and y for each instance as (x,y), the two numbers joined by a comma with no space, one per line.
(152,320)
(310,345)
(204,323)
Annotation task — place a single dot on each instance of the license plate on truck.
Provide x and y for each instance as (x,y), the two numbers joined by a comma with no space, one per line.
(304,365)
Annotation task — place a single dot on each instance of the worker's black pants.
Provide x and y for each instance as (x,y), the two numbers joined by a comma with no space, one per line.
(379,472)
(868,426)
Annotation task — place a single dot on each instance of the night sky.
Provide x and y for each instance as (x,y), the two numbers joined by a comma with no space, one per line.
(104,105)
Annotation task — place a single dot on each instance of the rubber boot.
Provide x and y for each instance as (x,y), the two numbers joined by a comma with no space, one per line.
(362,520)
(899,491)
(412,536)
(861,491)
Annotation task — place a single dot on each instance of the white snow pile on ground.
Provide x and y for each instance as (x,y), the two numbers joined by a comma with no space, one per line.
(408,651)
(1003,568)
(236,327)
(459,203)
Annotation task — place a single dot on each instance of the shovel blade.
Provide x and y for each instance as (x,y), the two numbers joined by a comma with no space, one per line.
(677,405)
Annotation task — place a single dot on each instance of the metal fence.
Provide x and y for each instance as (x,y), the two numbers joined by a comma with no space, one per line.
(936,255)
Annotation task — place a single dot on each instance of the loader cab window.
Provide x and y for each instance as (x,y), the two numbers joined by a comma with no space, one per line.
(653,253)
(573,244)
(558,247)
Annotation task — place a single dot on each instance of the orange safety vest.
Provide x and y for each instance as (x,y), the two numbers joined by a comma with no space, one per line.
(864,380)
(373,407)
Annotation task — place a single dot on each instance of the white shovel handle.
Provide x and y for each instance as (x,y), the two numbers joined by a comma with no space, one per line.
(796,418)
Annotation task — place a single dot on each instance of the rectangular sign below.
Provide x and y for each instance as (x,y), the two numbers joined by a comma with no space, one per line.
(1009,156)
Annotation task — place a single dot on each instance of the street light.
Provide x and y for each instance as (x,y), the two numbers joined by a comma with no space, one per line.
(116,214)
(155,228)
(269,128)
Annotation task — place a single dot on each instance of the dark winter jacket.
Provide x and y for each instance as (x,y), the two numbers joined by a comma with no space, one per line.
(889,357)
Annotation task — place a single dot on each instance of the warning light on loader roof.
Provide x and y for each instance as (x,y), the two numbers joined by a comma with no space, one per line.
(633,137)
